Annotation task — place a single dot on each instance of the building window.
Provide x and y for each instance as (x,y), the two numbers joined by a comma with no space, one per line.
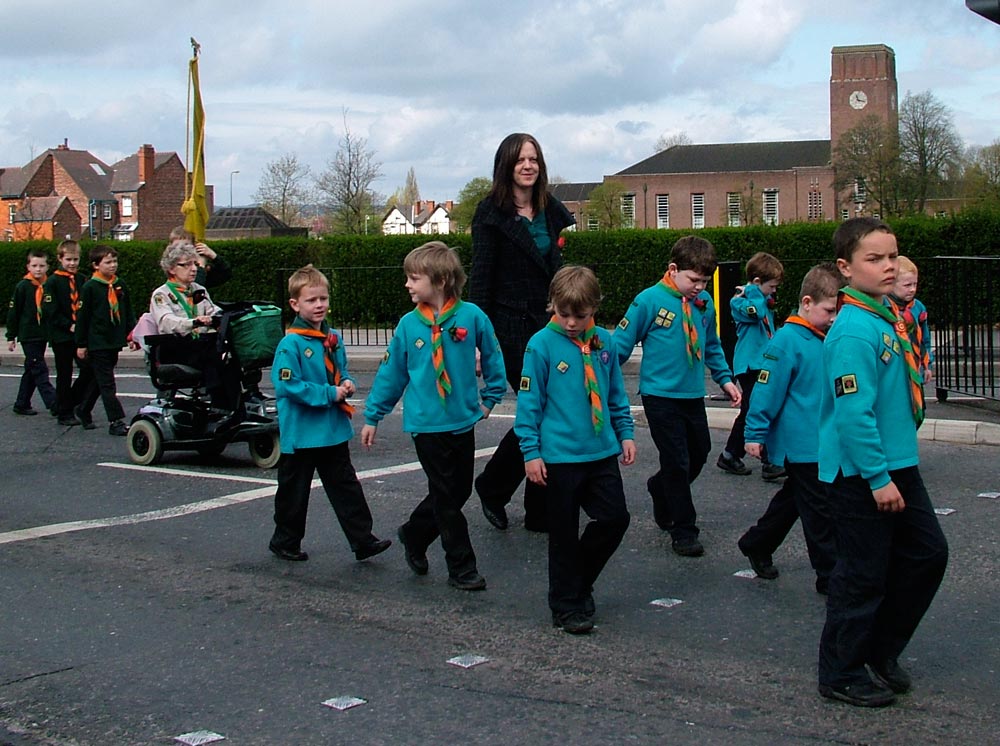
(697,210)
(107,211)
(11,212)
(860,191)
(628,211)
(593,223)
(845,214)
(815,204)
(733,208)
(126,207)
(93,210)
(662,210)
(770,207)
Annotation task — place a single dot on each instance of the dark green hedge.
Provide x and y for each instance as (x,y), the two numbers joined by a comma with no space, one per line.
(367,279)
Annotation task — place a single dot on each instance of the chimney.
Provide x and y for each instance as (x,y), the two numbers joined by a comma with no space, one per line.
(449,205)
(65,144)
(146,163)
(430,206)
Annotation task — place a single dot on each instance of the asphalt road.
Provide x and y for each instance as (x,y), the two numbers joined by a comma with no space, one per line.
(145,605)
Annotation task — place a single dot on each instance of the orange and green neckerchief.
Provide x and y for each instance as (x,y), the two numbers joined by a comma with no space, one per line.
(425,313)
(330,344)
(693,345)
(799,321)
(113,308)
(587,342)
(852,297)
(74,295)
(39,294)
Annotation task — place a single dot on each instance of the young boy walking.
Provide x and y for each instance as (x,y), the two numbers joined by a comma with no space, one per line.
(675,321)
(104,319)
(431,363)
(784,416)
(312,384)
(891,551)
(59,310)
(914,313)
(573,422)
(753,311)
(24,323)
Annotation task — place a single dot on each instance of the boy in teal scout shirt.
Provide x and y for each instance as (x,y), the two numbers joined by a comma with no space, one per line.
(753,312)
(784,416)
(24,323)
(312,384)
(675,321)
(104,322)
(59,309)
(573,422)
(431,364)
(891,551)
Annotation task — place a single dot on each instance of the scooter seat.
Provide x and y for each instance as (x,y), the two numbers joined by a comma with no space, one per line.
(176,374)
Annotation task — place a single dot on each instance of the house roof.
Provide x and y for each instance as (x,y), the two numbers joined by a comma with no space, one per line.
(38,209)
(126,171)
(746,156)
(426,214)
(12,181)
(243,218)
(91,174)
(579,192)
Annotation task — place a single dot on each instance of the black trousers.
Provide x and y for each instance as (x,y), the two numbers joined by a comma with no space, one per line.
(102,366)
(679,428)
(336,472)
(889,567)
(504,472)
(735,444)
(448,460)
(35,376)
(576,560)
(801,496)
(69,392)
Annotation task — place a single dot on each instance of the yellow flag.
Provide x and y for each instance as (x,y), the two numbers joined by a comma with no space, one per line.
(195,207)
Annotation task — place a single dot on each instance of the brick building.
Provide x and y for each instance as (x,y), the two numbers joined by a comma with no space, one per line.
(138,197)
(734,184)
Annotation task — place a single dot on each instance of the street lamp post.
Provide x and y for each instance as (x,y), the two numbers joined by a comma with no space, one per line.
(231,174)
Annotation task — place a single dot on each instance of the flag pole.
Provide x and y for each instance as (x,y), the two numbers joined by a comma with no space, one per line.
(195,207)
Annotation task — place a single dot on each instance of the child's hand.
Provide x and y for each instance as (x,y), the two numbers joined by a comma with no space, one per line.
(81,353)
(888,499)
(735,397)
(928,375)
(628,452)
(479,365)
(485,410)
(368,436)
(203,250)
(754,449)
(535,471)
(11,345)
(349,388)
(133,345)
(342,392)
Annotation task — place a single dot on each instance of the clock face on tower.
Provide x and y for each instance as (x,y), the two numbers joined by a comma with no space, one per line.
(858,100)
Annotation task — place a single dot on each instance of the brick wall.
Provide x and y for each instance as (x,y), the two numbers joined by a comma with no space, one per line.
(157,204)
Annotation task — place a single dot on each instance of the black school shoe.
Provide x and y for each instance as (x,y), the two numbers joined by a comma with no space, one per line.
(772,472)
(496,516)
(573,622)
(292,555)
(732,465)
(868,694)
(25,411)
(85,419)
(417,561)
(471,581)
(660,512)
(893,675)
(762,564)
(687,547)
(375,546)
(118,427)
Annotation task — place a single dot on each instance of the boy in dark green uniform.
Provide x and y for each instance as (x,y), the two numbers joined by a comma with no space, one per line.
(103,322)
(24,323)
(59,307)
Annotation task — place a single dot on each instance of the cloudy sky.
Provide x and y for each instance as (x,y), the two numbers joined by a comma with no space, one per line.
(436,85)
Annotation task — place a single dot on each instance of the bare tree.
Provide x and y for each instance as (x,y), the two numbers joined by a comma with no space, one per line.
(284,188)
(406,195)
(665,141)
(929,146)
(346,184)
(982,173)
(866,159)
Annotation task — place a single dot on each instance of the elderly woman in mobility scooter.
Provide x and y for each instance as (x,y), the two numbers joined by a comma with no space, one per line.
(202,404)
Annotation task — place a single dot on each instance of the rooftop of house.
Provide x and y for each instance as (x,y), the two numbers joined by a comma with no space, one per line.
(734,157)
(38,209)
(243,218)
(126,171)
(576,192)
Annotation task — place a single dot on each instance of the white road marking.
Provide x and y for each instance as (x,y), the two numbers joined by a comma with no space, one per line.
(238,498)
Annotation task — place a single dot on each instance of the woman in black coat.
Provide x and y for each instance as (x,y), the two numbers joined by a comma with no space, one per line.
(515,252)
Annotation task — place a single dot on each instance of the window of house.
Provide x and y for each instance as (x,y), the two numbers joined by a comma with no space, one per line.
(860,191)
(845,214)
(126,207)
(770,207)
(698,210)
(93,210)
(815,207)
(593,223)
(11,212)
(107,211)
(628,211)
(733,209)
(662,210)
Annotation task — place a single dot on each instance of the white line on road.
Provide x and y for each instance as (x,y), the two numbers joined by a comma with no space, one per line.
(238,498)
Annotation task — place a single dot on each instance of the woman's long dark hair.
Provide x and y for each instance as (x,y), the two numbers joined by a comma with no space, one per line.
(503,173)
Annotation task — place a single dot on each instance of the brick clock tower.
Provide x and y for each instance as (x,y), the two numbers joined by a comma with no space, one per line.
(862,83)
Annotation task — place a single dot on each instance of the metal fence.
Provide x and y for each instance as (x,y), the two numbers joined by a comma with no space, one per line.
(966,325)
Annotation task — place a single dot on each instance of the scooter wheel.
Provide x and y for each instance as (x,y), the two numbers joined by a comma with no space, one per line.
(144,443)
(265,449)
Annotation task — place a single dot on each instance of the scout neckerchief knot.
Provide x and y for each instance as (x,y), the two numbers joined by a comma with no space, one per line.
(914,330)
(587,341)
(74,296)
(38,294)
(852,297)
(113,310)
(690,330)
(330,343)
(180,294)
(796,319)
(426,314)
